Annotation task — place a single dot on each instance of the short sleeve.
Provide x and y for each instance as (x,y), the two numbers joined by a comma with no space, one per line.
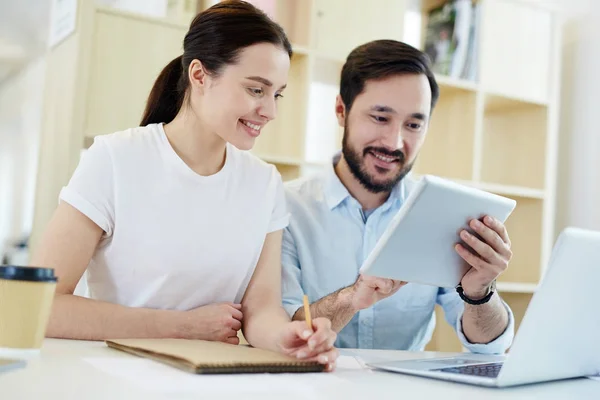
(91,188)
(279,217)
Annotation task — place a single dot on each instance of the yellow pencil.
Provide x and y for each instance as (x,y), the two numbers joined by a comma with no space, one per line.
(307,313)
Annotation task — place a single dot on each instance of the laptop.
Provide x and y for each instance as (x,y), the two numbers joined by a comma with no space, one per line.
(558,337)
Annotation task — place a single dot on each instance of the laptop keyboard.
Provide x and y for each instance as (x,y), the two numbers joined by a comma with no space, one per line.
(490,370)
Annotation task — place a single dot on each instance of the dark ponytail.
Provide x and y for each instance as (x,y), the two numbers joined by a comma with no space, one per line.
(215,38)
(166,96)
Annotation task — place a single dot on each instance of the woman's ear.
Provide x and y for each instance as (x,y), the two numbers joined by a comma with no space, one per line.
(197,75)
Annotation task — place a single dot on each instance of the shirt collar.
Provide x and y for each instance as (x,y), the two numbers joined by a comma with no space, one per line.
(336,192)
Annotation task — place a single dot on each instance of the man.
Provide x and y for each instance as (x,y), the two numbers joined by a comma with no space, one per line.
(387,95)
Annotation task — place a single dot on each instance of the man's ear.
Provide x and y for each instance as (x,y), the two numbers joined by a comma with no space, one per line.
(197,75)
(340,111)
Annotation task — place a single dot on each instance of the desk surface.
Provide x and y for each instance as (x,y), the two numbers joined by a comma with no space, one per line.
(86,370)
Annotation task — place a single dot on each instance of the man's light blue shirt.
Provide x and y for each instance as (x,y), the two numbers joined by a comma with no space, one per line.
(327,240)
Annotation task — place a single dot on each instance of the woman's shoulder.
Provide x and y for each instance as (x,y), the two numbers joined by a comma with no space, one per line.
(253,166)
(148,135)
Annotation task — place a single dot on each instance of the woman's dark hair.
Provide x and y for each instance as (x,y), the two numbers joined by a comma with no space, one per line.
(379,59)
(216,37)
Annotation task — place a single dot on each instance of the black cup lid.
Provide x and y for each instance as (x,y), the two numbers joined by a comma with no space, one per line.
(32,274)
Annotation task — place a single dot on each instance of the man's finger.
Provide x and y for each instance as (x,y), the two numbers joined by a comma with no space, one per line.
(485,251)
(498,227)
(397,285)
(490,237)
(470,258)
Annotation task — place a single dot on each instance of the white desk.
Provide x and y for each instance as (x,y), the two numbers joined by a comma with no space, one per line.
(64,371)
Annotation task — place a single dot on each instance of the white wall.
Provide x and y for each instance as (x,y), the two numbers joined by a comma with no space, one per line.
(20,124)
(578,201)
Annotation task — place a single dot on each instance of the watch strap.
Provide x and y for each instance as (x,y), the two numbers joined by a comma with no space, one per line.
(468,300)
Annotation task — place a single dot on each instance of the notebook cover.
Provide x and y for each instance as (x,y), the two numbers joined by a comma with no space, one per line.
(206,357)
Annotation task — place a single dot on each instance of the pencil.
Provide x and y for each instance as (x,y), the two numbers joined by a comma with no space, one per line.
(307,313)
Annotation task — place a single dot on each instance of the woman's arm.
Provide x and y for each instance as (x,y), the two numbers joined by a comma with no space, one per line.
(267,325)
(67,246)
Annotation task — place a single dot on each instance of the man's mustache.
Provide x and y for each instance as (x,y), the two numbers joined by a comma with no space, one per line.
(396,153)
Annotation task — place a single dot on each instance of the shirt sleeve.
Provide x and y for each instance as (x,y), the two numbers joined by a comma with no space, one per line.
(291,275)
(91,188)
(454,307)
(279,217)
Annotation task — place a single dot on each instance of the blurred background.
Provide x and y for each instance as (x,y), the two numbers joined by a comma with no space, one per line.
(517,113)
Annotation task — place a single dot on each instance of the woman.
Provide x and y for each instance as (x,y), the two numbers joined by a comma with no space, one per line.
(180,229)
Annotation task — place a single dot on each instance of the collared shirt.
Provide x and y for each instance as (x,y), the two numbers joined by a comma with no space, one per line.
(326,242)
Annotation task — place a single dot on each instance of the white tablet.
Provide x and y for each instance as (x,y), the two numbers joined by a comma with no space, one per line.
(418,245)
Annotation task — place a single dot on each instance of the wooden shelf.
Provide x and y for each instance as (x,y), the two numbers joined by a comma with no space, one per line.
(459,84)
(120,89)
(505,190)
(514,142)
(495,134)
(293,17)
(516,287)
(524,227)
(449,145)
(284,135)
(301,50)
(497,101)
(274,159)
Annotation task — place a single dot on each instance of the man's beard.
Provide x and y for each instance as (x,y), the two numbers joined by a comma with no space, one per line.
(355,163)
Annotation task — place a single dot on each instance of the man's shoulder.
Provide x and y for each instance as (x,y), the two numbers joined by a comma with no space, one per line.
(307,189)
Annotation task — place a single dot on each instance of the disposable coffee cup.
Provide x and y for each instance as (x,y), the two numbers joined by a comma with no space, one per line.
(26,296)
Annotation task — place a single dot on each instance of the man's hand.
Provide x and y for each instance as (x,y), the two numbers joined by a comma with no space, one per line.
(368,290)
(216,322)
(488,258)
(314,344)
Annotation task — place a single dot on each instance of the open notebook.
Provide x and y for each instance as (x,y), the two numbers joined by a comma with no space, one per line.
(205,357)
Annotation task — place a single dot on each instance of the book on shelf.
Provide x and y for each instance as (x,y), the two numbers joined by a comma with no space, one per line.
(452,39)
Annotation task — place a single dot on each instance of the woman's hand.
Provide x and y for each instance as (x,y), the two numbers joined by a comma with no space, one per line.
(217,322)
(315,344)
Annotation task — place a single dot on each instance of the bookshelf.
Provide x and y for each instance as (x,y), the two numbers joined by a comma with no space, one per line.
(497,132)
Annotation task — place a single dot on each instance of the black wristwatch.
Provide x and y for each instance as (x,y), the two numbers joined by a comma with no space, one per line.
(484,300)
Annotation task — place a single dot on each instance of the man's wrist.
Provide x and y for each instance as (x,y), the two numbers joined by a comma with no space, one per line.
(476,294)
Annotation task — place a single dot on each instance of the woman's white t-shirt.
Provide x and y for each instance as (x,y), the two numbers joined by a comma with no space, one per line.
(173,239)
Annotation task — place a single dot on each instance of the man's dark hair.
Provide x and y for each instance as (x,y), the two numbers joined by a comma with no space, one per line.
(379,59)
